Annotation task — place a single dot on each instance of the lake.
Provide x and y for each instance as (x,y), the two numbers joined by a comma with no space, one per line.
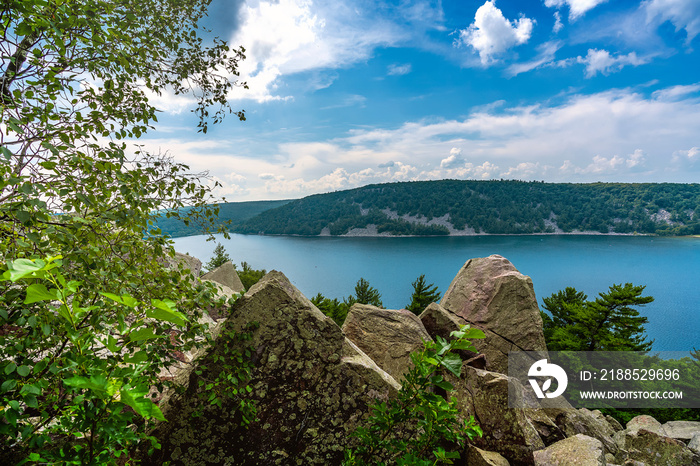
(669,267)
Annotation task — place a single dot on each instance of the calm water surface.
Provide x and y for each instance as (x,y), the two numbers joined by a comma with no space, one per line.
(669,267)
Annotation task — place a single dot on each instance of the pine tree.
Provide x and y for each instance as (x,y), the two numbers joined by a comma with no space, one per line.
(365,294)
(609,323)
(219,259)
(423,295)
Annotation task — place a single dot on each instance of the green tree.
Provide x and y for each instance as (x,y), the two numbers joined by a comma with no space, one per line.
(423,295)
(219,259)
(333,308)
(74,83)
(250,276)
(610,323)
(365,294)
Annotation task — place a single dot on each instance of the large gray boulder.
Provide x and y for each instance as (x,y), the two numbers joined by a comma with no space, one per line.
(189,263)
(311,386)
(387,336)
(478,457)
(645,422)
(489,293)
(579,450)
(227,276)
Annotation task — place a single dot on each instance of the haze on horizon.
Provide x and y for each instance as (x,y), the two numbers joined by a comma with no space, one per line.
(345,93)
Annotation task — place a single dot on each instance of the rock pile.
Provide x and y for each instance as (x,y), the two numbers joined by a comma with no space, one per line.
(313,383)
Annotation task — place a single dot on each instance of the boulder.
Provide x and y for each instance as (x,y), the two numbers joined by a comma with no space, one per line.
(681,430)
(589,423)
(192,264)
(507,431)
(310,384)
(387,336)
(645,422)
(694,443)
(227,276)
(579,450)
(439,322)
(490,294)
(478,457)
(654,449)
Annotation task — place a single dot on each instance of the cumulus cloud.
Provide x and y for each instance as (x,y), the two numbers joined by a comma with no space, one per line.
(576,7)
(491,33)
(687,159)
(453,160)
(523,171)
(398,70)
(683,14)
(601,61)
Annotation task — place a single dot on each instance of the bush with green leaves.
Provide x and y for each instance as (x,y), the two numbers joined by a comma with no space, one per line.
(76,375)
(417,426)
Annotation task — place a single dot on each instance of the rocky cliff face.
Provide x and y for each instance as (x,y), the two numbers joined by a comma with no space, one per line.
(313,383)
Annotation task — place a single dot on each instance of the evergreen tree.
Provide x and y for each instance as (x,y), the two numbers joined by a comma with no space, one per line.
(609,323)
(365,294)
(423,295)
(219,259)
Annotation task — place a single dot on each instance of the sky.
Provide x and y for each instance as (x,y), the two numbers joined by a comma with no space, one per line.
(345,93)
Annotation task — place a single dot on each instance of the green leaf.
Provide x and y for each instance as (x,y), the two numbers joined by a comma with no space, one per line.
(124,299)
(144,334)
(165,310)
(8,385)
(6,152)
(10,368)
(139,356)
(24,370)
(38,292)
(97,383)
(136,398)
(452,363)
(23,267)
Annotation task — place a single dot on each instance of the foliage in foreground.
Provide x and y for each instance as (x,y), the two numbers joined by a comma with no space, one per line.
(417,426)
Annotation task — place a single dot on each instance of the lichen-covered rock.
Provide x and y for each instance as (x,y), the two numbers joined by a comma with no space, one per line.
(478,457)
(589,423)
(654,449)
(312,386)
(190,263)
(507,431)
(439,322)
(681,430)
(489,293)
(579,450)
(694,443)
(387,336)
(226,275)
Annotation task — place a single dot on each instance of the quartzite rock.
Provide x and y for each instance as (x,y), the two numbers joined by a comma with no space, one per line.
(579,450)
(654,449)
(507,431)
(645,422)
(478,457)
(386,336)
(681,430)
(490,294)
(226,275)
(311,384)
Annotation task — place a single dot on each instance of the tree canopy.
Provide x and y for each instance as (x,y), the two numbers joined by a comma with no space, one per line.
(609,323)
(83,267)
(423,295)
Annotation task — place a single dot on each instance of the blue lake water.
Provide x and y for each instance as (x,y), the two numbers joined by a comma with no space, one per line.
(669,267)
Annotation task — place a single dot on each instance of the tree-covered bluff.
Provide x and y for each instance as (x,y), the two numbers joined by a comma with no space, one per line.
(456,207)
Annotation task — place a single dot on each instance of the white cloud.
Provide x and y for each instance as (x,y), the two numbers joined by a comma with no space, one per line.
(453,160)
(558,25)
(523,171)
(676,92)
(601,61)
(291,36)
(348,101)
(398,70)
(491,33)
(687,159)
(547,52)
(683,14)
(576,7)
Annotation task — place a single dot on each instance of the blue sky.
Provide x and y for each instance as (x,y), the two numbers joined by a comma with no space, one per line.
(345,93)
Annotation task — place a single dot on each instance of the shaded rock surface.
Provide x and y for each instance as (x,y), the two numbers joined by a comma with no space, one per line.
(227,276)
(478,457)
(681,430)
(387,336)
(489,293)
(311,384)
(579,450)
(653,449)
(192,264)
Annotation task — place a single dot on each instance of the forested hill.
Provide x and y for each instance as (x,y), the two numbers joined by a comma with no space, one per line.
(235,212)
(493,207)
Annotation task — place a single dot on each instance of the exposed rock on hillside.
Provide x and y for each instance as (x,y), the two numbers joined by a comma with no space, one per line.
(489,293)
(387,336)
(311,384)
